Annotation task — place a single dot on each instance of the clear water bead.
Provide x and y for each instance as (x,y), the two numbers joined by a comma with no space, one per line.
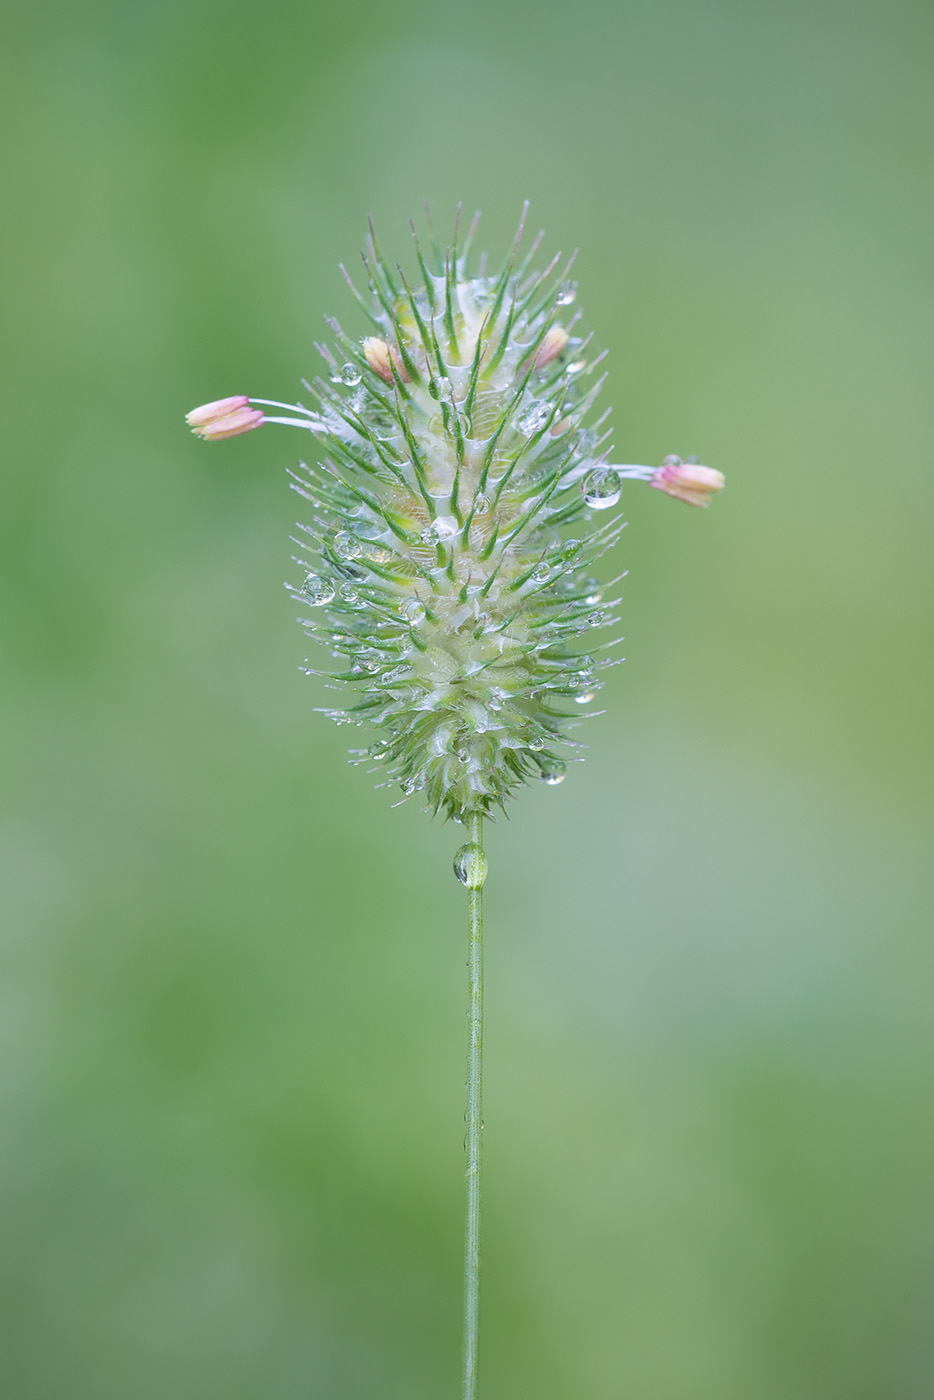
(470,865)
(575,367)
(318,591)
(413,610)
(347,546)
(567,294)
(534,418)
(537,744)
(541,574)
(482,505)
(348,593)
(602,488)
(443,527)
(554,771)
(350,375)
(585,697)
(440,388)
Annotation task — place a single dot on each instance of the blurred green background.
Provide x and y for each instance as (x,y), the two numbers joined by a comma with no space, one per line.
(232,983)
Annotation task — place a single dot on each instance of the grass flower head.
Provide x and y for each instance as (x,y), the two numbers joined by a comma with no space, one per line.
(458,488)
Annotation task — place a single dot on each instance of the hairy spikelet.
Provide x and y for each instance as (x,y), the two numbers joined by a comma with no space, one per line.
(457,497)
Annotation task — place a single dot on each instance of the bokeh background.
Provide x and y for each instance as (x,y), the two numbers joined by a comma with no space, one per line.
(232,985)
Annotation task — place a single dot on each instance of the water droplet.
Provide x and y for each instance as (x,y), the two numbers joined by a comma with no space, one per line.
(594,592)
(496,706)
(567,294)
(348,593)
(585,697)
(693,461)
(554,771)
(378,747)
(470,865)
(575,367)
(596,619)
(413,610)
(350,375)
(537,744)
(371,664)
(672,461)
(318,591)
(482,505)
(534,418)
(443,527)
(602,488)
(570,549)
(347,546)
(440,388)
(541,574)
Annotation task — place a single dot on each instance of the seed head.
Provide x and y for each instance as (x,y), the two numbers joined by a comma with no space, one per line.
(554,342)
(457,488)
(384,359)
(213,412)
(688,481)
(224,418)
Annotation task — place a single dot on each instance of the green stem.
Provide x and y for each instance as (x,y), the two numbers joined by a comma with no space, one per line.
(474,1120)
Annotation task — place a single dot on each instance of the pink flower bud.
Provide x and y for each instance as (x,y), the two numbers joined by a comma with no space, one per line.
(381,357)
(687,481)
(551,346)
(230,424)
(210,412)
